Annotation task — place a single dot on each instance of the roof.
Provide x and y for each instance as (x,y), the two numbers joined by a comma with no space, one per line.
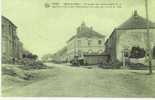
(136,22)
(62,51)
(90,33)
(4,18)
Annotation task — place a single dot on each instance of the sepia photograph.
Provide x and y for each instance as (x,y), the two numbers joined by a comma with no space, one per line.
(78,48)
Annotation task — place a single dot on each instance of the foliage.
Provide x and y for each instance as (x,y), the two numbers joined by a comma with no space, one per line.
(32,64)
(30,56)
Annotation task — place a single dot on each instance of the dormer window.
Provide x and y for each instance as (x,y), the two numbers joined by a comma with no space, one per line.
(135,13)
(89,42)
(99,42)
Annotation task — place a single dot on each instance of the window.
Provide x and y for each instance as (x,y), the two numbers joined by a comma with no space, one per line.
(3,46)
(79,53)
(79,42)
(10,29)
(89,42)
(99,42)
(3,28)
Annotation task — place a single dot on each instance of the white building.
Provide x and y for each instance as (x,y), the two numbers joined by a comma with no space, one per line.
(87,46)
(128,36)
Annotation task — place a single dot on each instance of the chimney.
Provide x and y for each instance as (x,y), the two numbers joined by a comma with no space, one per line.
(135,13)
(83,24)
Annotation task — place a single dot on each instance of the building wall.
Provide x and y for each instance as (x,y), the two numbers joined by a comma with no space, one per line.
(60,56)
(19,50)
(71,49)
(110,47)
(97,59)
(79,46)
(86,44)
(126,39)
(10,41)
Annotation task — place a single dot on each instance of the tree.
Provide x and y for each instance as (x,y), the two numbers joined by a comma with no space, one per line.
(34,57)
(30,56)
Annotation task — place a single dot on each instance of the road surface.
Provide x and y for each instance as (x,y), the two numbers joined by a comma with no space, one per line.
(64,80)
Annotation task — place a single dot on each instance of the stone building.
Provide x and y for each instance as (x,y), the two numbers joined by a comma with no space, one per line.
(129,39)
(86,47)
(11,45)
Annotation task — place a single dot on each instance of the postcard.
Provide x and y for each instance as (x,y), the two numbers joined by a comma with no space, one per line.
(78,48)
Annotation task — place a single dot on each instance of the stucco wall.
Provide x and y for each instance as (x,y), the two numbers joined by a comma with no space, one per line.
(94,45)
(71,49)
(81,45)
(126,39)
(111,46)
(8,34)
(94,59)
(11,46)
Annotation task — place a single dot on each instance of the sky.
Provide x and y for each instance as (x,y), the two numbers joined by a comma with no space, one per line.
(45,30)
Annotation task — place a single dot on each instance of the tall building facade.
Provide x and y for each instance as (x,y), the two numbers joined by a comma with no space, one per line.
(87,46)
(11,45)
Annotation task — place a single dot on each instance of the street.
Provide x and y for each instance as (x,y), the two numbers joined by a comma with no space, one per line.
(65,80)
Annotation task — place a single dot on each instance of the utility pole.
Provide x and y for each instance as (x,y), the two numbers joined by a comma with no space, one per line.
(148,39)
(123,58)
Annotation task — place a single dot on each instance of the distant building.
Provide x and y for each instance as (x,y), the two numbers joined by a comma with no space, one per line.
(87,46)
(60,56)
(129,39)
(11,45)
(47,58)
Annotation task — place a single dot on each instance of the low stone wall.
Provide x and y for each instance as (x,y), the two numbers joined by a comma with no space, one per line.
(94,59)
